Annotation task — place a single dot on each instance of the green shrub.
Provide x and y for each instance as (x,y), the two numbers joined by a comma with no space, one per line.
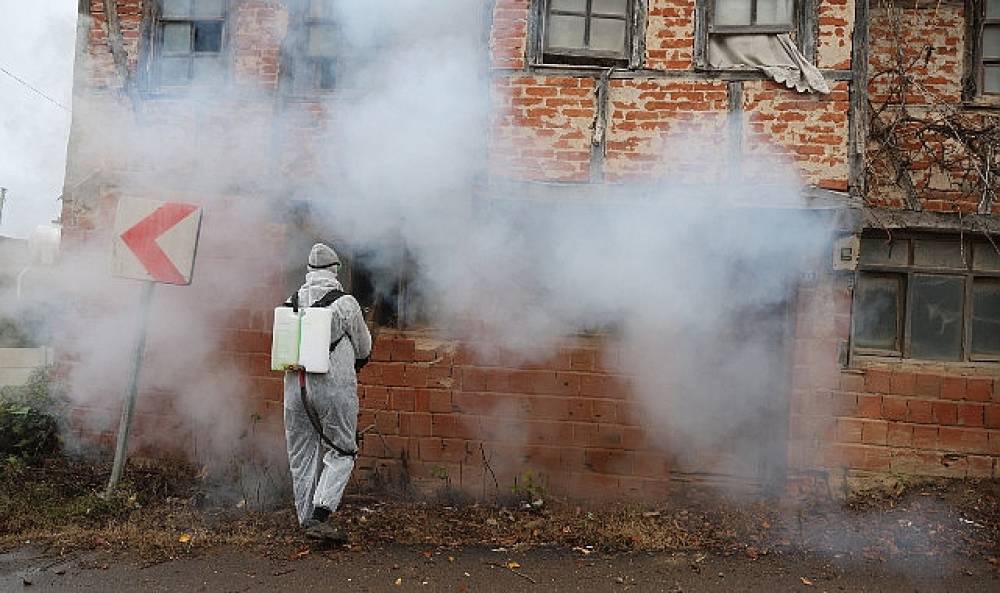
(29,417)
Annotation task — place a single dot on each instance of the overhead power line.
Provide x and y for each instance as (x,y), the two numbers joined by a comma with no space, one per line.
(38,92)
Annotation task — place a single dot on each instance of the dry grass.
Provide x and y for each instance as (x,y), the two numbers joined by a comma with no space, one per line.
(160,514)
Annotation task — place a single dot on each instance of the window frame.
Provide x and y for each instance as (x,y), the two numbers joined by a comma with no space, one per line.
(983,60)
(906,274)
(973,92)
(630,58)
(753,28)
(315,65)
(156,55)
(805,26)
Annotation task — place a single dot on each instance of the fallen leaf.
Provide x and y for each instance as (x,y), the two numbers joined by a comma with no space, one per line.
(398,582)
(184,538)
(806,581)
(512,565)
(583,551)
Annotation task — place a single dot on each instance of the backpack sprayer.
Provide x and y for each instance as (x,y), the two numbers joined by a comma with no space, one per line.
(301,341)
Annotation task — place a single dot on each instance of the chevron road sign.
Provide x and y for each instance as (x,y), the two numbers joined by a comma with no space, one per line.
(155,241)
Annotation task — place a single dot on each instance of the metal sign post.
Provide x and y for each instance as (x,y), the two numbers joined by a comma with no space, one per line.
(154,242)
(128,408)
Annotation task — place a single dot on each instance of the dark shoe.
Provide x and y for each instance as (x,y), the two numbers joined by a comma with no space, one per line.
(321,531)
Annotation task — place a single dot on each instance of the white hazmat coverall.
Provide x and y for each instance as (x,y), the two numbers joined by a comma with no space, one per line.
(319,474)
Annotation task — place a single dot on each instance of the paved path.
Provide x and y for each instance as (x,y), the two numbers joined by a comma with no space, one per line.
(397,568)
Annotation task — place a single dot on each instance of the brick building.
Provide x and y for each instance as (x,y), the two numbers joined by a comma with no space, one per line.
(887,114)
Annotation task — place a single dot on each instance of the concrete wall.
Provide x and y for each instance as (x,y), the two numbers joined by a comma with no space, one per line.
(17,364)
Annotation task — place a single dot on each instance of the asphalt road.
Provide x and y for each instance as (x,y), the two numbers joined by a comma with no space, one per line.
(398,568)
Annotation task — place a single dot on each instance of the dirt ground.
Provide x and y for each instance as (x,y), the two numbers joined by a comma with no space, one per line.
(408,568)
(162,533)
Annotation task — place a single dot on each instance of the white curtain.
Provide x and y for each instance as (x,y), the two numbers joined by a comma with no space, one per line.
(775,55)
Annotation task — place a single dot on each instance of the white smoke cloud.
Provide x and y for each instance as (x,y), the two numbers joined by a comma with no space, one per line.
(676,269)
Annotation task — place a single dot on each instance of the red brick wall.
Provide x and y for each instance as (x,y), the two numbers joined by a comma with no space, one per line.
(808,131)
(460,413)
(650,118)
(446,406)
(541,127)
(670,35)
(884,416)
(928,40)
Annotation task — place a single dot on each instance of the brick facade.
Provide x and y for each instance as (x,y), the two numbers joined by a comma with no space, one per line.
(471,415)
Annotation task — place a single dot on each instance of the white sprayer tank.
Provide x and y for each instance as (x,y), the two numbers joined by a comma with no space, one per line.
(301,339)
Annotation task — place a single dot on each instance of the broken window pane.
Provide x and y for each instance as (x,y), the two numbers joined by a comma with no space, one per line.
(175,71)
(609,7)
(991,42)
(323,41)
(991,79)
(732,12)
(938,254)
(177,38)
(986,316)
(774,12)
(570,5)
(876,319)
(176,8)
(607,34)
(566,31)
(880,251)
(208,36)
(936,317)
(985,257)
(208,8)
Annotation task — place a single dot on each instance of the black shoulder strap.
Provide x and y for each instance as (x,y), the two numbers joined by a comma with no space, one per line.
(329,298)
(292,302)
(324,301)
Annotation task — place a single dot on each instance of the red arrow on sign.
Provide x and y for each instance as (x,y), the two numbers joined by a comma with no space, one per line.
(141,239)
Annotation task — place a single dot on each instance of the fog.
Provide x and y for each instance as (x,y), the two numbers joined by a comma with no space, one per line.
(671,272)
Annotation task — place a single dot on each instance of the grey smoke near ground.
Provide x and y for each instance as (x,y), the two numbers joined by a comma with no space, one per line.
(674,270)
(36,45)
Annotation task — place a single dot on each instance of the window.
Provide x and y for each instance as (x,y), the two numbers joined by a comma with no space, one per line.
(989,67)
(928,297)
(742,34)
(323,46)
(586,32)
(189,41)
(752,16)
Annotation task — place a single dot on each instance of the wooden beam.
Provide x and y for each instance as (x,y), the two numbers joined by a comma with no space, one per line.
(734,122)
(599,139)
(701,10)
(858,112)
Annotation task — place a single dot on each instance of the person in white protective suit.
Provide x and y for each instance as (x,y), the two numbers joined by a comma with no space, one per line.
(321,420)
